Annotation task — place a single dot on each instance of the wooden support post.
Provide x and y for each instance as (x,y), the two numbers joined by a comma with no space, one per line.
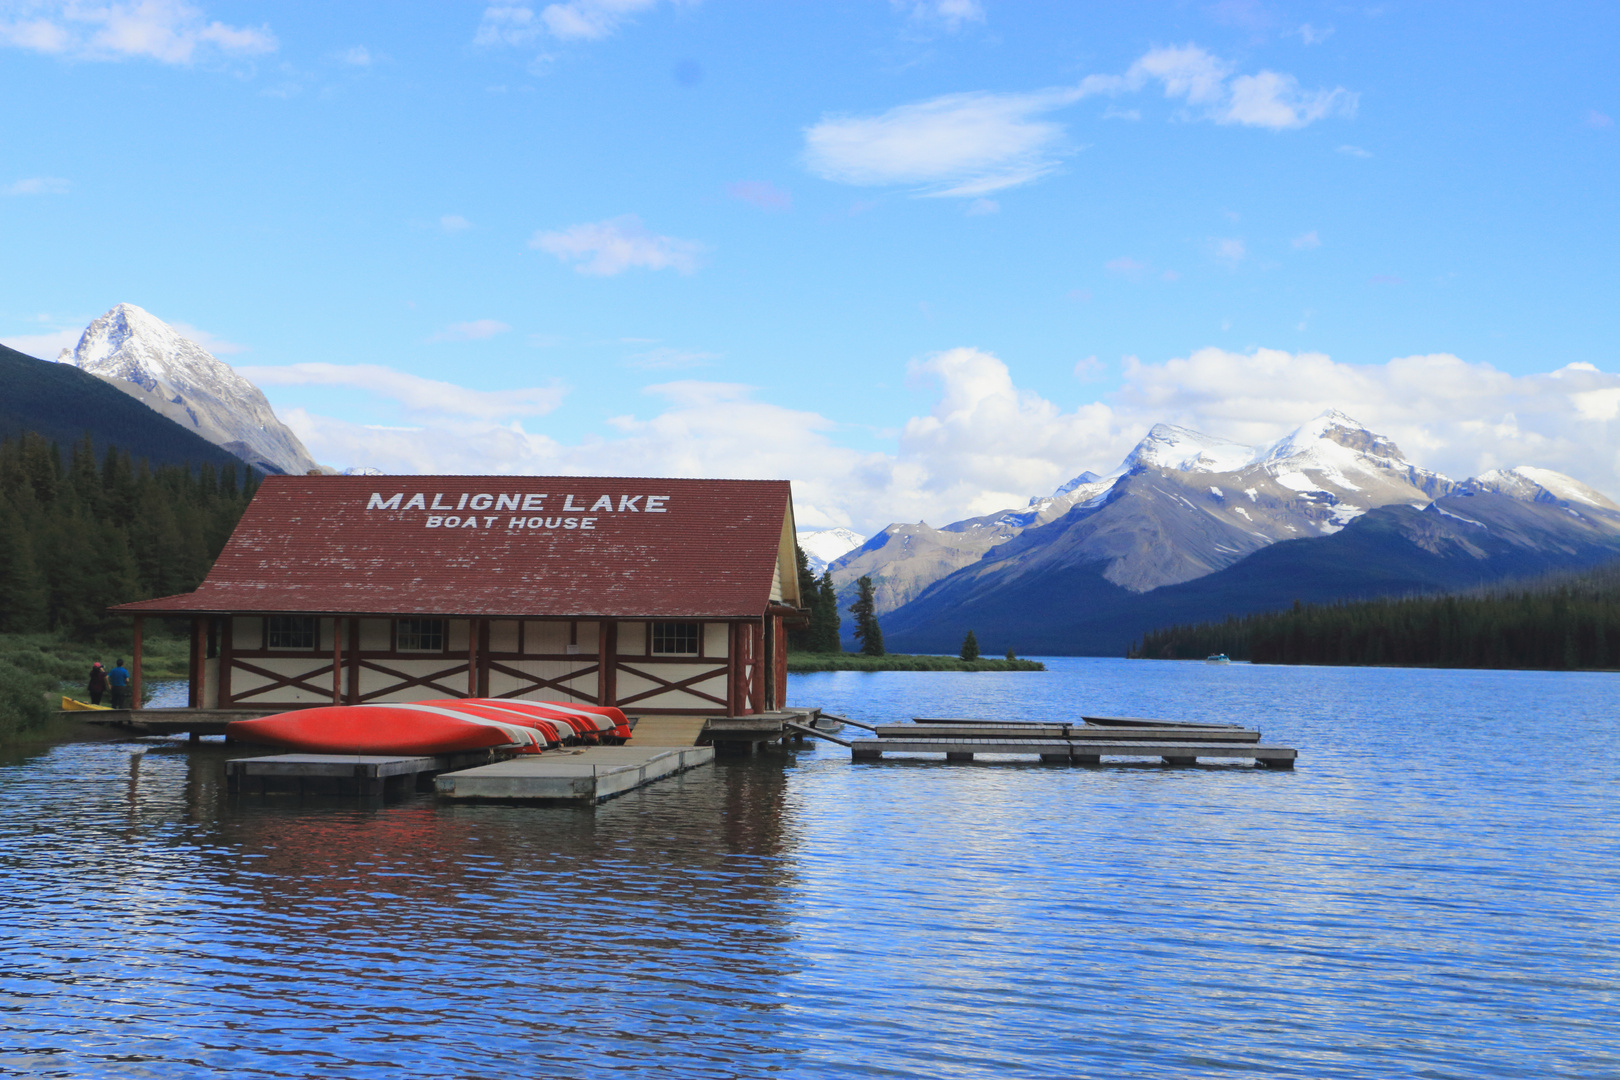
(135,666)
(199,642)
(483,658)
(354,662)
(227,626)
(607,659)
(337,660)
(767,633)
(733,666)
(957,755)
(472,657)
(756,683)
(780,630)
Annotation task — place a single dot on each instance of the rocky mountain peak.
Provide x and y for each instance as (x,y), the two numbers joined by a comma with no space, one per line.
(154,363)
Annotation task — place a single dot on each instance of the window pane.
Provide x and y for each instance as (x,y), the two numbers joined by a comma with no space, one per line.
(675,638)
(290,632)
(421,635)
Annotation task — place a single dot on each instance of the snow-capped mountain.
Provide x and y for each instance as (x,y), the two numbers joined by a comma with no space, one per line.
(152,362)
(1182,505)
(822,547)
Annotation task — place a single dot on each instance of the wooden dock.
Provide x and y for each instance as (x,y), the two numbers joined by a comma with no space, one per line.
(193,722)
(340,774)
(746,734)
(586,776)
(1088,743)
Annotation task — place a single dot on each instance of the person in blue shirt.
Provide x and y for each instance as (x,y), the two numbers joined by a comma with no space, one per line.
(118,677)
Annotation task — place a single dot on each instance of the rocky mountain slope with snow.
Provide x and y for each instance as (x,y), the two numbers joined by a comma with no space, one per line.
(152,362)
(826,545)
(1184,506)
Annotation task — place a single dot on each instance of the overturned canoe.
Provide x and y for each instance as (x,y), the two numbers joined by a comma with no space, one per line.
(448,726)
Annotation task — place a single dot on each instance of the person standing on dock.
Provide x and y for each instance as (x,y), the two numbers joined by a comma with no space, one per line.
(119,678)
(98,683)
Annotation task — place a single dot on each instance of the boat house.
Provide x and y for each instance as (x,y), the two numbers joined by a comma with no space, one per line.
(659,596)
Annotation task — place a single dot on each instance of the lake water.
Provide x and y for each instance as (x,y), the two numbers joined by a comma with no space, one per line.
(1431,893)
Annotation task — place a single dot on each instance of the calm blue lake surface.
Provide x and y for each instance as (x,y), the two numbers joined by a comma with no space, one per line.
(1431,893)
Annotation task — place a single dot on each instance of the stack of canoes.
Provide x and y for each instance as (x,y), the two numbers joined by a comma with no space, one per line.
(446,726)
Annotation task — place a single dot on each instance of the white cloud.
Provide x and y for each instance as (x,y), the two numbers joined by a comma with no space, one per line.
(417,395)
(1354,151)
(605,248)
(970,144)
(477,330)
(586,20)
(1445,413)
(1307,241)
(1275,101)
(664,358)
(169,31)
(1595,119)
(216,345)
(454,223)
(959,144)
(37,185)
(980,207)
(359,56)
(1314,35)
(986,444)
(1126,266)
(43,346)
(1230,251)
(951,14)
(762,193)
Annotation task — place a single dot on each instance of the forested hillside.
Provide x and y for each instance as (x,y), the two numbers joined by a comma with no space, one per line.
(1559,621)
(78,533)
(61,403)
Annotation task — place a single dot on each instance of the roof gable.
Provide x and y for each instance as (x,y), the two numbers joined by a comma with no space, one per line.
(611,547)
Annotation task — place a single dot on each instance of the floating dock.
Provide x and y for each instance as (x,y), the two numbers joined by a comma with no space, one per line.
(591,775)
(963,739)
(339,774)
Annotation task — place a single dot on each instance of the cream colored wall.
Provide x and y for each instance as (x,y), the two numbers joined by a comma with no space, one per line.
(632,640)
(453,684)
(376,635)
(318,670)
(210,676)
(247,632)
(503,635)
(584,687)
(456,636)
(630,684)
(715,639)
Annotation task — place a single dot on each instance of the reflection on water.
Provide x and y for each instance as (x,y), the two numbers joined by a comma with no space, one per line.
(1430,893)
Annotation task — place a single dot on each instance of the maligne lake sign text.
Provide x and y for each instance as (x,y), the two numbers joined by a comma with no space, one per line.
(517,511)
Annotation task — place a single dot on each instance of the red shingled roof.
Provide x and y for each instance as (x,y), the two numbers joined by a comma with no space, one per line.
(587,546)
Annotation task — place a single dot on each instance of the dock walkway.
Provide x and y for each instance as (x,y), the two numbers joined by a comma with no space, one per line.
(591,775)
(963,739)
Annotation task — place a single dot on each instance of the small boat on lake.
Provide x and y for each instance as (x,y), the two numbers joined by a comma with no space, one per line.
(1217,658)
(443,726)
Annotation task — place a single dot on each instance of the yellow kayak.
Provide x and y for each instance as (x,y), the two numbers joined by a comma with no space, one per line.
(71,705)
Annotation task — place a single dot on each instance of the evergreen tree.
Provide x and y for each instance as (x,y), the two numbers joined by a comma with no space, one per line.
(802,638)
(824,619)
(867,631)
(970,647)
(22,588)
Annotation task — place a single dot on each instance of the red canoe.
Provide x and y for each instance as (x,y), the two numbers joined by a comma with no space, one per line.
(448,726)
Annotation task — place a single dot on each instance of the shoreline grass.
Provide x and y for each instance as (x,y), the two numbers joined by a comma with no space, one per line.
(800,663)
(37,669)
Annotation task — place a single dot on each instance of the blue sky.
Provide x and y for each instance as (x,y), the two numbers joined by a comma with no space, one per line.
(923,258)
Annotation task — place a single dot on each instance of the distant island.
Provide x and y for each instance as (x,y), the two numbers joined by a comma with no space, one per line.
(1558,622)
(802,662)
